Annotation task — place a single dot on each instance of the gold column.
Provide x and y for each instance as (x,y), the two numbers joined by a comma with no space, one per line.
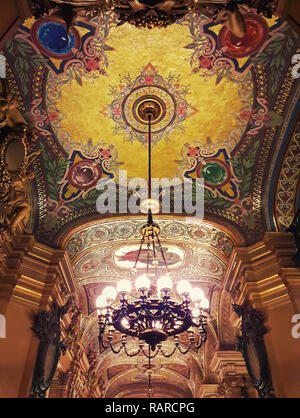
(264,276)
(230,370)
(31,276)
(58,388)
(12,257)
(209,391)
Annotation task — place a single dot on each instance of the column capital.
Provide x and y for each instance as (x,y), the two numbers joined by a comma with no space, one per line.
(209,391)
(228,363)
(231,374)
(291,279)
(33,273)
(255,273)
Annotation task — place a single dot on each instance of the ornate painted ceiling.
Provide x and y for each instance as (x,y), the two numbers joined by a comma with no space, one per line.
(103,254)
(228,109)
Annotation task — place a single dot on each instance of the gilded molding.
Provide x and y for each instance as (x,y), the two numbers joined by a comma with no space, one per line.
(35,274)
(288,181)
(256,273)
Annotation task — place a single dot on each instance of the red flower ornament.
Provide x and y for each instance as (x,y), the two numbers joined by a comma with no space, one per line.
(205,62)
(92,65)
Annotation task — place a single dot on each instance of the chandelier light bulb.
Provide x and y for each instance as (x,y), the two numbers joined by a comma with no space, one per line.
(101,302)
(142,283)
(204,303)
(164,283)
(109,292)
(184,287)
(147,204)
(156,324)
(196,312)
(124,286)
(197,294)
(125,323)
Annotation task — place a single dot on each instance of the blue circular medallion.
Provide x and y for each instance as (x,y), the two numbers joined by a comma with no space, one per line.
(54,37)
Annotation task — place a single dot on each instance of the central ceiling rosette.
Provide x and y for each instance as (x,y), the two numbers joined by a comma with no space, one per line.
(167,93)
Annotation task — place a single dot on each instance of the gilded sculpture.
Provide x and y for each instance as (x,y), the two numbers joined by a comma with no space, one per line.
(16,155)
(9,114)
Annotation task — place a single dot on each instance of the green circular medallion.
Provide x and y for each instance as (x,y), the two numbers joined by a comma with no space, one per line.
(213,173)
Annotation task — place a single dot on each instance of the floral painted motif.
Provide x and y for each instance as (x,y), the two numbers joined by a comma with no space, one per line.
(243,208)
(217,52)
(84,172)
(213,167)
(168,93)
(71,183)
(55,211)
(80,54)
(288,183)
(259,117)
(227,180)
(275,56)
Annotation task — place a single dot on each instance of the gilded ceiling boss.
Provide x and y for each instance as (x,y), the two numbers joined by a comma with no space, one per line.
(157,13)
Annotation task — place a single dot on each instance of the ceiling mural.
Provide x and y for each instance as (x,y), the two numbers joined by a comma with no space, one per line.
(220,100)
(103,266)
(227,114)
(87,238)
(105,252)
(126,255)
(115,261)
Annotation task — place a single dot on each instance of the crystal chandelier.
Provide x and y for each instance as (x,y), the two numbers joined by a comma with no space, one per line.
(151,312)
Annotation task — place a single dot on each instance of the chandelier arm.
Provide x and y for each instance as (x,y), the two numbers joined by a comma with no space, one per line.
(202,340)
(101,341)
(119,313)
(169,354)
(118,350)
(187,350)
(140,249)
(162,253)
(109,345)
(149,356)
(101,337)
(131,354)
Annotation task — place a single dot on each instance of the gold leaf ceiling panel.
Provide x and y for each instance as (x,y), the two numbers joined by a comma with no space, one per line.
(223,104)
